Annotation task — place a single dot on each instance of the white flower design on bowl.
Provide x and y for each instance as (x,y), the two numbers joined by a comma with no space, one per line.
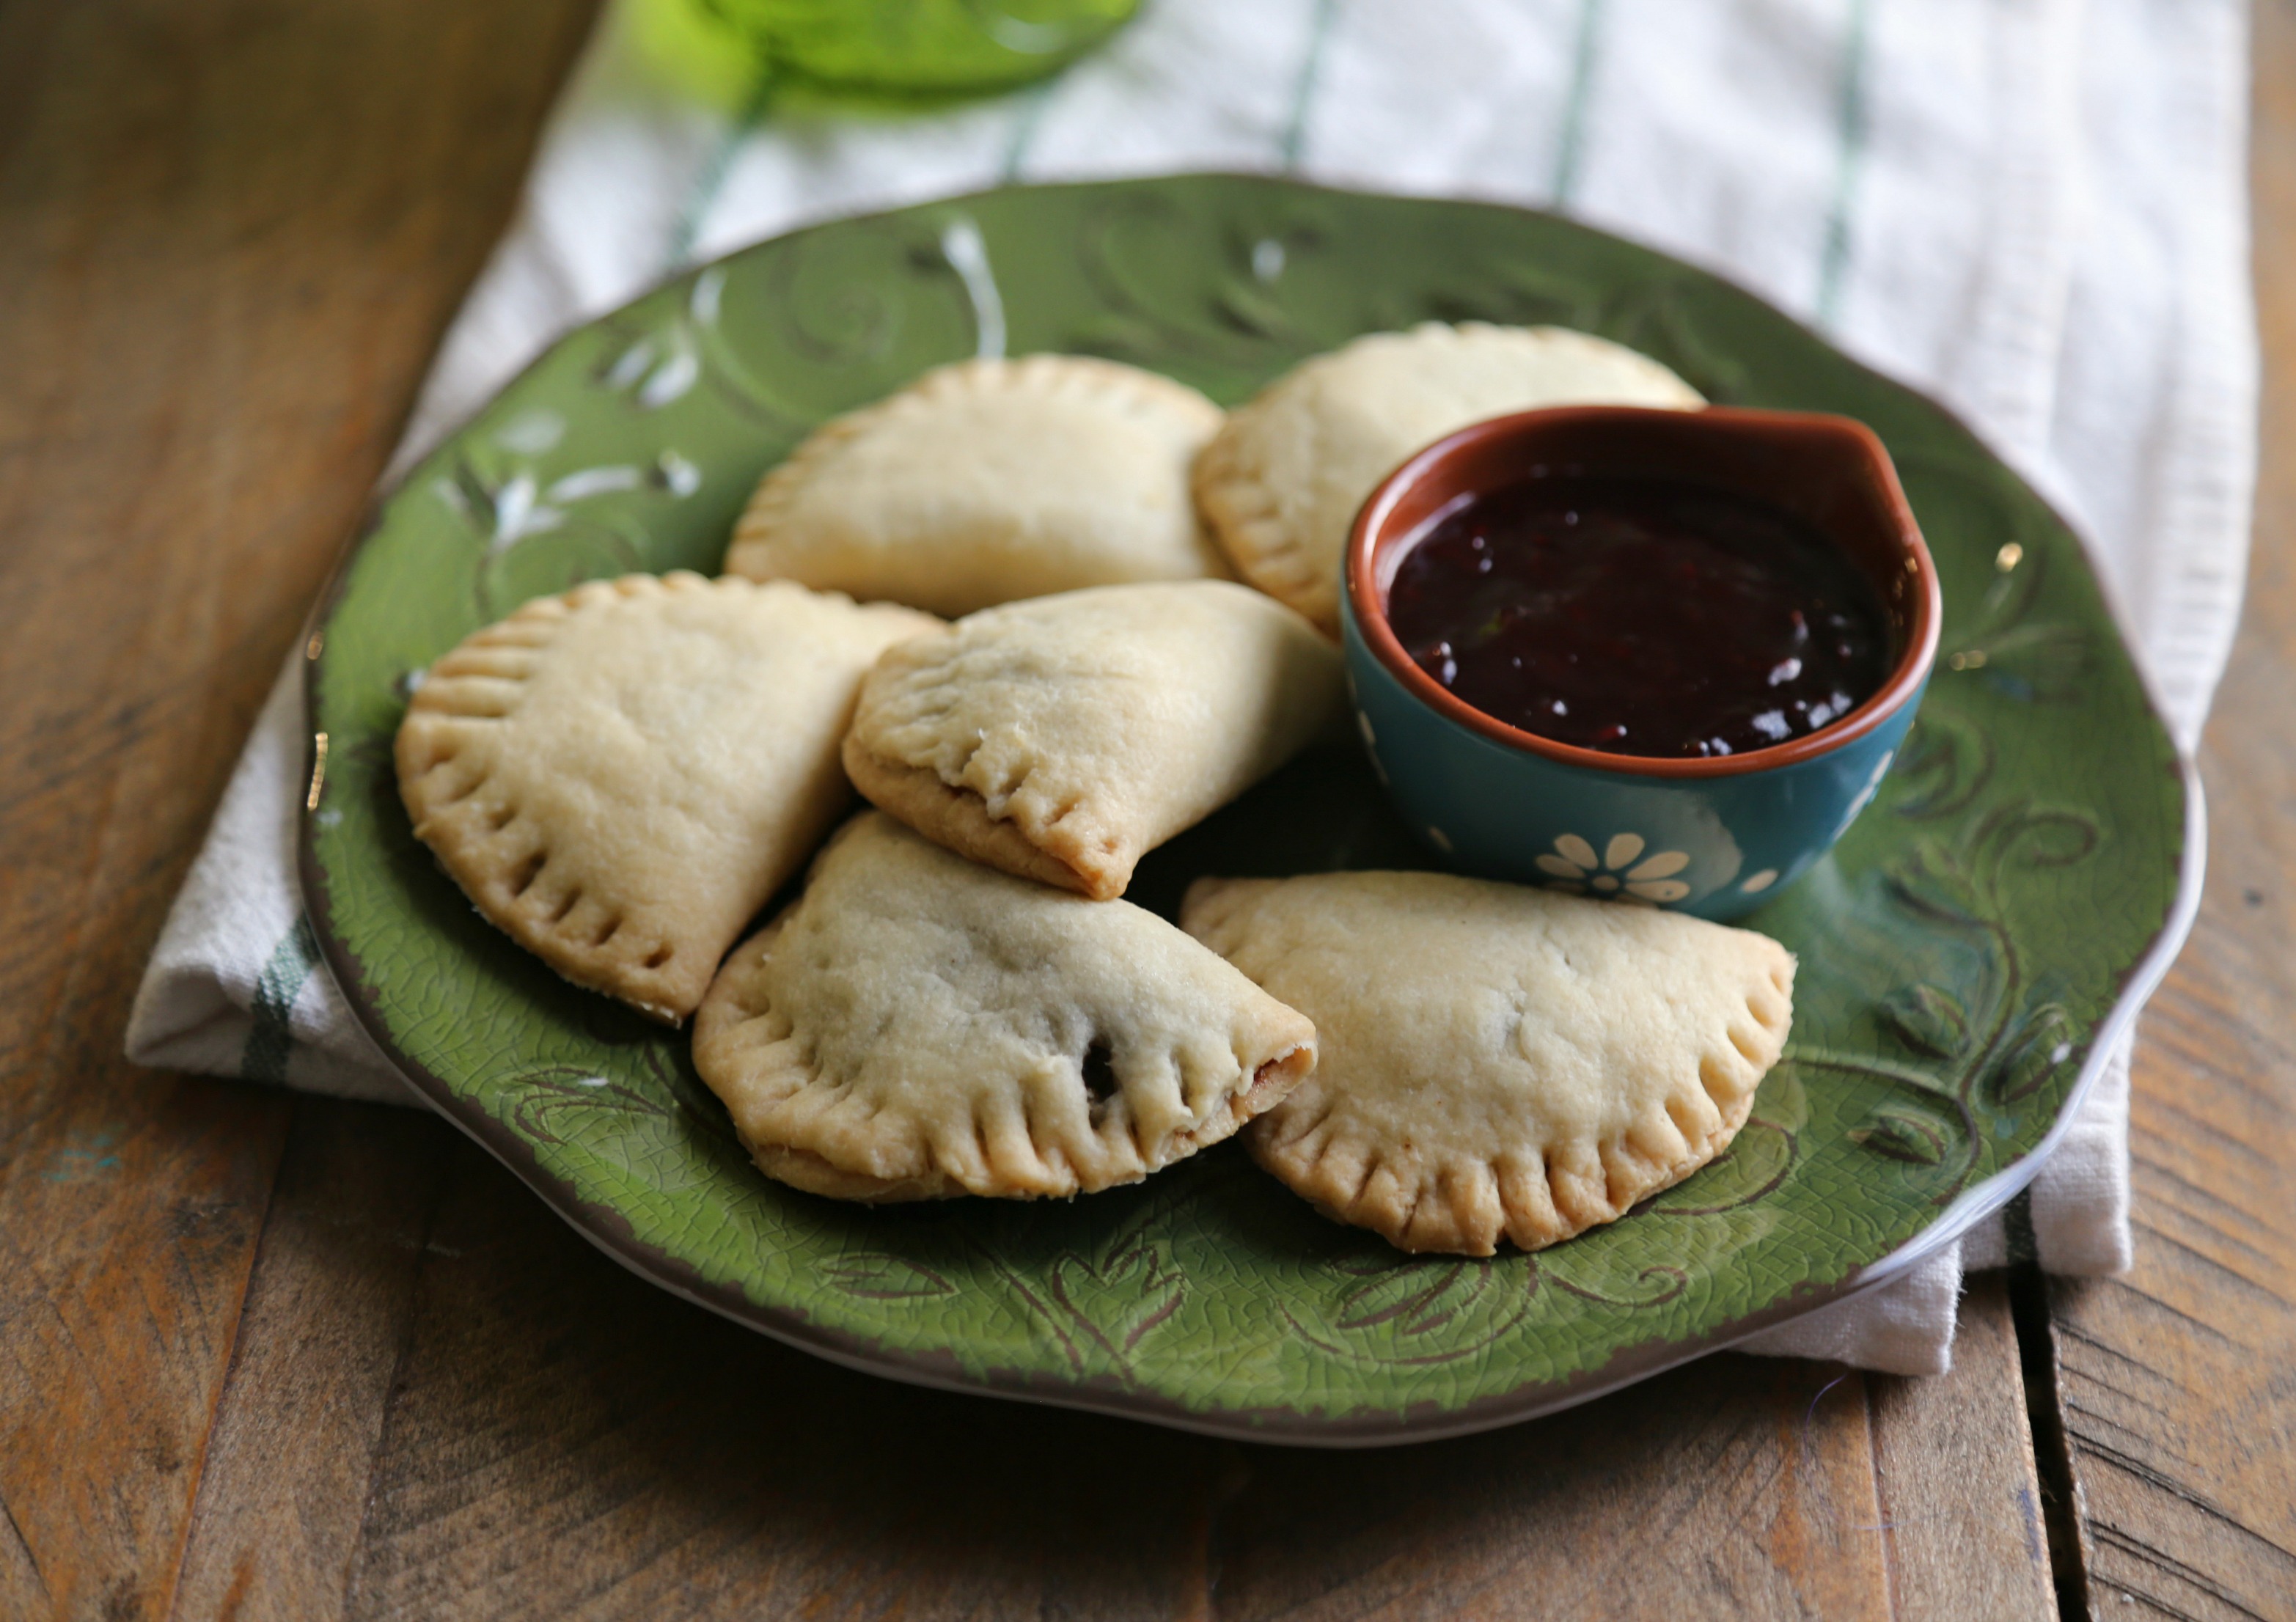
(1621,870)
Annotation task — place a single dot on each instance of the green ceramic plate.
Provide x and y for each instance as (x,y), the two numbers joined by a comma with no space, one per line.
(1966,953)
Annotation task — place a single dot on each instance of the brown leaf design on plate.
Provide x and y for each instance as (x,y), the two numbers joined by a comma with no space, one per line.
(1121,1292)
(1415,1311)
(878,1275)
(1945,765)
(548,1104)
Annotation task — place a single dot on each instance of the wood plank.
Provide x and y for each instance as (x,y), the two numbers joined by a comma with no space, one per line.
(1954,1458)
(561,1439)
(128,1210)
(564,1440)
(229,233)
(328,1311)
(1739,1486)
(2174,1384)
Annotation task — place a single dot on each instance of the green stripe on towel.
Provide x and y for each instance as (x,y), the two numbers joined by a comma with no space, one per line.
(1834,268)
(1569,149)
(711,178)
(1303,87)
(1026,115)
(273,1037)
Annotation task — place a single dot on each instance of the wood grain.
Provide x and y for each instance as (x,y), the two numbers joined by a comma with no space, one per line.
(564,1440)
(2176,1386)
(324,1334)
(1954,1464)
(557,1439)
(229,236)
(1738,1486)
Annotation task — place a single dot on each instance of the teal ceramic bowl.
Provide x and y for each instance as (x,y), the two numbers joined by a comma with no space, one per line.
(1713,837)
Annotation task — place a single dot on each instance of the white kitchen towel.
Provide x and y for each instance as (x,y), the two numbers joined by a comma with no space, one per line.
(2034,208)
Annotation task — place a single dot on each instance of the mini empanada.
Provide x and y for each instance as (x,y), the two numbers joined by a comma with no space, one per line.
(1282,480)
(917,1027)
(620,776)
(1497,1061)
(988,481)
(1062,737)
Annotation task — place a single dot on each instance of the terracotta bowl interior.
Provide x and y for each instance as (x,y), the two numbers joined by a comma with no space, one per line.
(1830,472)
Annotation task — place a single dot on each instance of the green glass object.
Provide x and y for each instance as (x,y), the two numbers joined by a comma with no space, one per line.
(1975,944)
(903,50)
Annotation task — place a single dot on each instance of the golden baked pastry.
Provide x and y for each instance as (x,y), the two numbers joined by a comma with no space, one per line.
(618,777)
(917,1026)
(990,480)
(1282,482)
(1497,1061)
(1063,737)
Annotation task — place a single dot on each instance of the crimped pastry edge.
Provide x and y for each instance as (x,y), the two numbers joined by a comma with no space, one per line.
(1269,1083)
(1630,1172)
(959,818)
(661,977)
(768,504)
(480,858)
(1242,511)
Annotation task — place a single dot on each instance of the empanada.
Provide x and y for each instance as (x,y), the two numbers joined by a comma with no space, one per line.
(1282,480)
(1497,1061)
(1063,737)
(620,776)
(918,1026)
(991,481)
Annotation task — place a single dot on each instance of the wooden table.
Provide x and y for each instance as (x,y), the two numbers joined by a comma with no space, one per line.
(263,1356)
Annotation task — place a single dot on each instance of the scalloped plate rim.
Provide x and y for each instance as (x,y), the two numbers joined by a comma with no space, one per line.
(1286,1426)
(598,1225)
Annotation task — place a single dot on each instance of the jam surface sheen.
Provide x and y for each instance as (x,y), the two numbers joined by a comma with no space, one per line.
(1638,617)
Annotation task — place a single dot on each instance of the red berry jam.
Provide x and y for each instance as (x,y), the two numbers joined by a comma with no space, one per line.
(1640,619)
